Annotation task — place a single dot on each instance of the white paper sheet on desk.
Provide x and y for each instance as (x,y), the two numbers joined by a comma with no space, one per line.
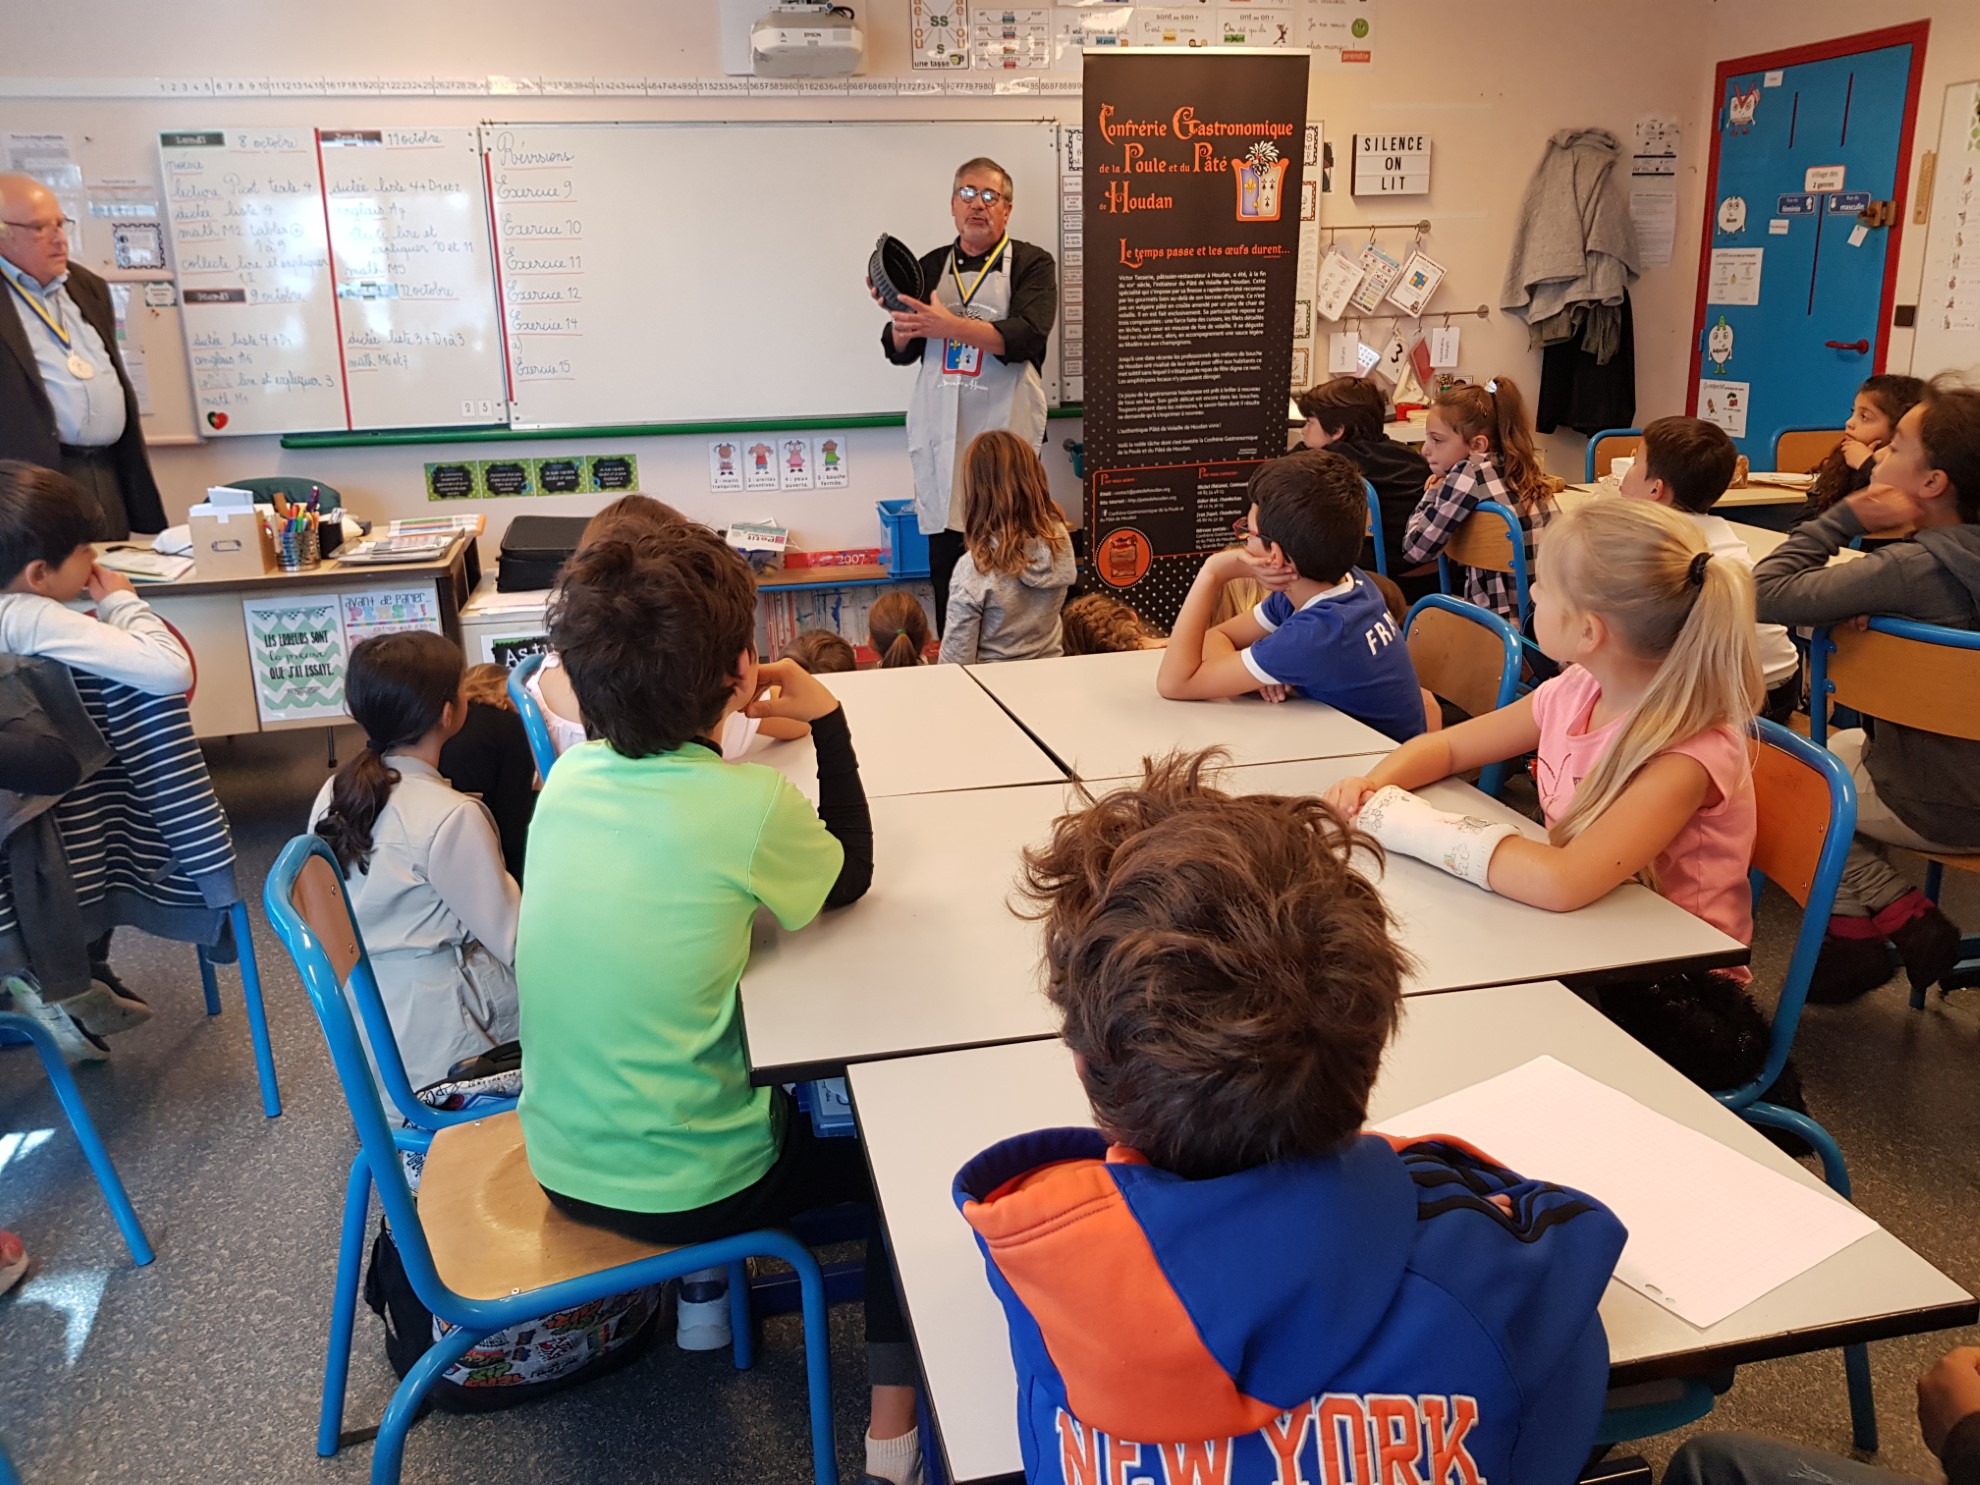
(1710,1230)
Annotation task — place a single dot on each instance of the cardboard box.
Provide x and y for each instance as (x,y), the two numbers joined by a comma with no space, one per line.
(229,542)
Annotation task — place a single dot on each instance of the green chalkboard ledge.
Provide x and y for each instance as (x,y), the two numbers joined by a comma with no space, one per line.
(623,430)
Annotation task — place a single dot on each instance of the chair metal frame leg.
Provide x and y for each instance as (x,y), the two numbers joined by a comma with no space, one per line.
(1856,1359)
(257,1012)
(742,1323)
(343,1308)
(70,1097)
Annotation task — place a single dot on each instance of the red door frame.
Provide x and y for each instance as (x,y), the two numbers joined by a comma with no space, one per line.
(1915,33)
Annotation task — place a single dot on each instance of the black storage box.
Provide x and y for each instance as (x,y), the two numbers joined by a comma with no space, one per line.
(533,549)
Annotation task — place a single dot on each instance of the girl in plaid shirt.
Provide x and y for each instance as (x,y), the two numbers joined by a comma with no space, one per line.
(1478,443)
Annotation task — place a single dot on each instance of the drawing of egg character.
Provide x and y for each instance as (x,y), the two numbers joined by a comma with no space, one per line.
(1732,214)
(1719,344)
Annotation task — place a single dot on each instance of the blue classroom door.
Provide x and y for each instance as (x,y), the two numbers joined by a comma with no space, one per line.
(1794,290)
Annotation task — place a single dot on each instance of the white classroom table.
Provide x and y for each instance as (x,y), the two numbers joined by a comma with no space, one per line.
(919,730)
(1098,714)
(921,1118)
(932,959)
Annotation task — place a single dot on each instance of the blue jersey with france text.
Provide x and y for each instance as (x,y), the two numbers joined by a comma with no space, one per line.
(1342,647)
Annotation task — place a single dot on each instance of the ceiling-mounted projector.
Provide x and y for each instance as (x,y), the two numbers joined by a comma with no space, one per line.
(807,38)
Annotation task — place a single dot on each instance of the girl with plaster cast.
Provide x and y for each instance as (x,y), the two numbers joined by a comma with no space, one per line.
(1641,751)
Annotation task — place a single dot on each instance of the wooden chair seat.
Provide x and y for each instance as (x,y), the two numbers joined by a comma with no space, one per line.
(490,1227)
(1799,450)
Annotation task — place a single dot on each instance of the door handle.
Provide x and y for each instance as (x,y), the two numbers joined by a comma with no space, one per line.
(1861,347)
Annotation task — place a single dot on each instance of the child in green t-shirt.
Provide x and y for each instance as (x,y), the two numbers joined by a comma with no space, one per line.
(649,857)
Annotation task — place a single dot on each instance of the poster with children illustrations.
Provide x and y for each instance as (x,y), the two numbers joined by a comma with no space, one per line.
(759,464)
(795,464)
(1724,403)
(831,471)
(725,464)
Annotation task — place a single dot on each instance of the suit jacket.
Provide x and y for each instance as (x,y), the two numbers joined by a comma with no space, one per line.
(27,417)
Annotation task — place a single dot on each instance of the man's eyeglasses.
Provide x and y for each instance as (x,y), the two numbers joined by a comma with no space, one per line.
(43,229)
(980,193)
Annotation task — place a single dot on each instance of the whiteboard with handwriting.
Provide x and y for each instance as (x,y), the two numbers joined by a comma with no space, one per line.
(415,288)
(334,279)
(696,272)
(246,212)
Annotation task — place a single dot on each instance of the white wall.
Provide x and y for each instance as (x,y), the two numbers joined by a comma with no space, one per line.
(1488,95)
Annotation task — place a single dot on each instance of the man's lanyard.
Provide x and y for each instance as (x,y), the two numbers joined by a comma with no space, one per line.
(54,326)
(977,282)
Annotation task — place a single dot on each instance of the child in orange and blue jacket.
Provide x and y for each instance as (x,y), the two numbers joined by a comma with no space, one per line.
(1227,1280)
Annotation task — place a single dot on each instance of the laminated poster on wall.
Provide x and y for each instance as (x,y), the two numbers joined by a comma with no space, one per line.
(725,464)
(1340,276)
(297,651)
(794,463)
(1734,276)
(759,463)
(1443,342)
(1341,33)
(1416,284)
(1725,403)
(938,31)
(1343,353)
(831,470)
(1379,271)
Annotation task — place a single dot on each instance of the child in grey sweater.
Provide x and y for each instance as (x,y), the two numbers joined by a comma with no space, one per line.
(1915,789)
(1009,586)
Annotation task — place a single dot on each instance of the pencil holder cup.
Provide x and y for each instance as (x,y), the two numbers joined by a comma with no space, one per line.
(297,551)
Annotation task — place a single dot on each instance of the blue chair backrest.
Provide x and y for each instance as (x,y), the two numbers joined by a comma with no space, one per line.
(541,747)
(1900,671)
(1807,816)
(307,869)
(1599,456)
(1515,558)
(326,926)
(1477,691)
(1375,530)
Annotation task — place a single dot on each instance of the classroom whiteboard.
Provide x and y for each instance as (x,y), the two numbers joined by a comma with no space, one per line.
(415,286)
(245,207)
(1948,333)
(700,272)
(334,279)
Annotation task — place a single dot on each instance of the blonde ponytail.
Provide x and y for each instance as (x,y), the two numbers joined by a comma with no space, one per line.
(1649,574)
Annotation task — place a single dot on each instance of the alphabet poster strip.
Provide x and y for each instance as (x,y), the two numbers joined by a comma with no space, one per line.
(1191,204)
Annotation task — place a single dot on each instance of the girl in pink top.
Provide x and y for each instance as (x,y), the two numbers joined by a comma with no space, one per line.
(1641,741)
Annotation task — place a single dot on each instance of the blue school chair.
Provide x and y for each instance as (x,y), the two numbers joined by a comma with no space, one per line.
(1611,444)
(1491,540)
(1912,675)
(541,748)
(7,1475)
(1467,655)
(483,1247)
(1375,530)
(16,1028)
(257,1013)
(1807,817)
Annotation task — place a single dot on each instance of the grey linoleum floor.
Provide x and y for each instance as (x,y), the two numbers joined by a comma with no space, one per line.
(205,1365)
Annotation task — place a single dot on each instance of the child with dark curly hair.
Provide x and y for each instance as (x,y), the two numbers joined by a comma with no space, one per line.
(1227,1274)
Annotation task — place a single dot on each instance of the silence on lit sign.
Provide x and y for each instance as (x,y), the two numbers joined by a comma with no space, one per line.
(1391,165)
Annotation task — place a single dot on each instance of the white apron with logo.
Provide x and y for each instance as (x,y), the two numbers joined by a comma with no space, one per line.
(960,392)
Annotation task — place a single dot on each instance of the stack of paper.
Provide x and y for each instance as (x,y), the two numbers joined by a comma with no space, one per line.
(143,566)
(1710,1230)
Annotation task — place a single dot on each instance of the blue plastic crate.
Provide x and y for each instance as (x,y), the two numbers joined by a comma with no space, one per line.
(905,549)
(829,1103)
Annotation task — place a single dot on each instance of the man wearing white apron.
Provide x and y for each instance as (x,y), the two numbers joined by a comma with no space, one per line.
(979,342)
